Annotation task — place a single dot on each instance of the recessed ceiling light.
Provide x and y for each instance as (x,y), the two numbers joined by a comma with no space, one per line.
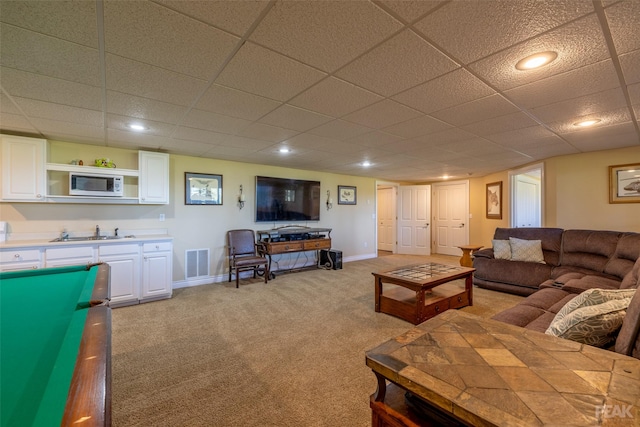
(445,176)
(137,127)
(536,60)
(284,150)
(587,123)
(366,164)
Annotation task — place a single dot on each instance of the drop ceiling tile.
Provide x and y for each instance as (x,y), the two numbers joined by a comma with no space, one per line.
(66,20)
(604,138)
(475,111)
(443,92)
(235,103)
(601,76)
(624,20)
(290,117)
(634,93)
(581,106)
(36,53)
(167,39)
(53,129)
(183,147)
(199,135)
(244,143)
(260,71)
(62,113)
(324,34)
(527,135)
(235,17)
(134,140)
(374,139)
(7,106)
(228,152)
(577,44)
(339,129)
(469,30)
(147,81)
(400,63)
(631,67)
(444,137)
(542,152)
(144,108)
(50,89)
(16,123)
(315,142)
(214,122)
(607,118)
(117,122)
(267,132)
(500,124)
(410,10)
(382,114)
(335,97)
(422,125)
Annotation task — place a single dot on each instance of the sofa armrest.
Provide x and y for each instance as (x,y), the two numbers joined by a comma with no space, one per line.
(484,253)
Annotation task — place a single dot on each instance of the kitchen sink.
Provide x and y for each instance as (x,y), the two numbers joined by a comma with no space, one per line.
(85,239)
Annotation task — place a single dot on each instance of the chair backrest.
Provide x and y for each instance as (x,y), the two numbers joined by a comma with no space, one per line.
(241,242)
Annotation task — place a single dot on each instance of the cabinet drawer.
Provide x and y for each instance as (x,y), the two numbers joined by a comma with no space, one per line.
(69,252)
(282,247)
(310,245)
(118,249)
(461,300)
(156,246)
(20,255)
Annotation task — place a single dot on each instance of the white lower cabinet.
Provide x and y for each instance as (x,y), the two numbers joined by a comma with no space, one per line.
(157,269)
(124,261)
(20,259)
(73,255)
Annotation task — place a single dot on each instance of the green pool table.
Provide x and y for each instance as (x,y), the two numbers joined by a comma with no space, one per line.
(55,347)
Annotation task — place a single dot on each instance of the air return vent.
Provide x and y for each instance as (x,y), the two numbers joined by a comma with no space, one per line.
(196,263)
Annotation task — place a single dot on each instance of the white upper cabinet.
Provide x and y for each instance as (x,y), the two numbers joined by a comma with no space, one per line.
(153,180)
(23,168)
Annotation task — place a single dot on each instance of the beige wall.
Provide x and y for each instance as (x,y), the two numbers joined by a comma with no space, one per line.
(576,195)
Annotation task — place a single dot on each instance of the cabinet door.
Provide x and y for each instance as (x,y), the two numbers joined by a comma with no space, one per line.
(125,278)
(153,181)
(156,275)
(23,168)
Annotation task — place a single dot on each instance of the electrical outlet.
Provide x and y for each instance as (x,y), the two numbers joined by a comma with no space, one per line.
(161,218)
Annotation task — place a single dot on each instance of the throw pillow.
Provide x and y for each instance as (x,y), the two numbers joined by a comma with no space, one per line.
(526,250)
(501,249)
(593,317)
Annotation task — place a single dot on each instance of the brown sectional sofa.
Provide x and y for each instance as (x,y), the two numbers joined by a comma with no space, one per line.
(575,260)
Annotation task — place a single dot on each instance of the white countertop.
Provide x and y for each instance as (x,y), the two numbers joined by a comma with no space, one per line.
(48,243)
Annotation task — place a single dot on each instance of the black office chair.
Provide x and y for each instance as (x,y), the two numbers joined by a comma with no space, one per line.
(244,254)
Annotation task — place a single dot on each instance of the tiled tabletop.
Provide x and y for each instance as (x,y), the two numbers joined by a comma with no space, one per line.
(487,372)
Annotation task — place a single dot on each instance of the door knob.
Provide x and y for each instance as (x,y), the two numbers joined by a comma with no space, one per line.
(427,224)
(462,225)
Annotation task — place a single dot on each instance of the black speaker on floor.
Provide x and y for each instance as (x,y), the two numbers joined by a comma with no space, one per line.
(331,259)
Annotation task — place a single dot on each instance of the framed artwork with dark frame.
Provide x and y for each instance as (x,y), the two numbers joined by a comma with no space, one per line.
(494,200)
(202,189)
(347,195)
(624,183)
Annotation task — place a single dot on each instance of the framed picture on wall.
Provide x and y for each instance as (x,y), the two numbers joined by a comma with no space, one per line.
(202,189)
(624,183)
(494,200)
(347,195)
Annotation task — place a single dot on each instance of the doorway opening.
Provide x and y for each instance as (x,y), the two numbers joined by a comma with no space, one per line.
(527,196)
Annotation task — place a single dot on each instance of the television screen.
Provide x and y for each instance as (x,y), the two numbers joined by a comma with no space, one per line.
(281,199)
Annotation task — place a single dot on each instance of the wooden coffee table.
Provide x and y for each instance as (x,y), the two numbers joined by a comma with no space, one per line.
(423,290)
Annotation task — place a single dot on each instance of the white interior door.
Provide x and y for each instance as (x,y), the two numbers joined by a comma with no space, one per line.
(526,205)
(451,217)
(387,219)
(414,210)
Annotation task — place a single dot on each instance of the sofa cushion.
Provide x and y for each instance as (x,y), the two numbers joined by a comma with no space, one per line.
(626,254)
(628,341)
(632,279)
(501,249)
(551,239)
(526,250)
(592,317)
(588,250)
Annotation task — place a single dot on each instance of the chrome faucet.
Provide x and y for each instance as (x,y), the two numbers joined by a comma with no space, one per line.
(64,235)
(97,231)
(116,233)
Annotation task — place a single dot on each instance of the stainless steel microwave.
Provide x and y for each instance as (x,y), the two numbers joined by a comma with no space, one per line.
(95,184)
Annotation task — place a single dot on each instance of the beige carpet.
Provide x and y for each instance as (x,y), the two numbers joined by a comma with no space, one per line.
(288,353)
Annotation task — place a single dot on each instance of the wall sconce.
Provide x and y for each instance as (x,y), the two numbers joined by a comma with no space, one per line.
(241,198)
(329,200)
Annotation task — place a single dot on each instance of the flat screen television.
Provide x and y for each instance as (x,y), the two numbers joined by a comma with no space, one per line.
(282,199)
